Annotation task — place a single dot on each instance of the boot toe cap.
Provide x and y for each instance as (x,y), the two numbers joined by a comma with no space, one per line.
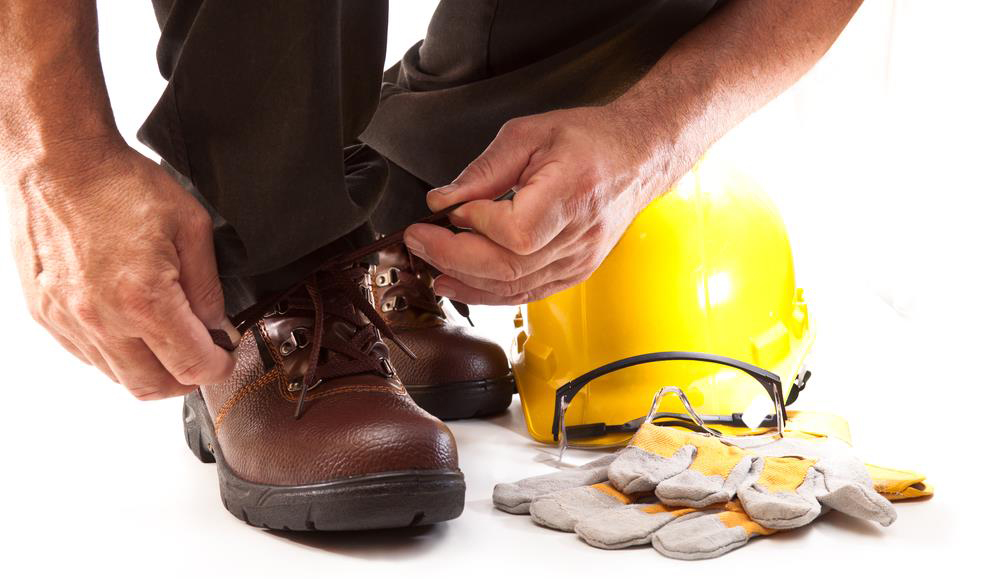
(345,433)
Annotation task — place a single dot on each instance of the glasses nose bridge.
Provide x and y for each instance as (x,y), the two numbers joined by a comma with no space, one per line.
(769,381)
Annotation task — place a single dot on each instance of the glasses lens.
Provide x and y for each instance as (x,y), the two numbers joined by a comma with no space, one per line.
(609,409)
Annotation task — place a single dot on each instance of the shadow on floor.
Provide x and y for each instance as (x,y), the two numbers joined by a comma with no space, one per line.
(393,544)
(850,524)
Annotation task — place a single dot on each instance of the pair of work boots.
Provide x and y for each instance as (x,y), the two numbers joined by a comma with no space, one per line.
(327,425)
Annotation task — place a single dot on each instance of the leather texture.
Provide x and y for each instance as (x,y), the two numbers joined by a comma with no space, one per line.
(351,426)
(446,352)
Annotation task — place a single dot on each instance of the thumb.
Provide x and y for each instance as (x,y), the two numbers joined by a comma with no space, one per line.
(492,173)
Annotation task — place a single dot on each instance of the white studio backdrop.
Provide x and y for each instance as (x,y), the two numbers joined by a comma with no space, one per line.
(882,161)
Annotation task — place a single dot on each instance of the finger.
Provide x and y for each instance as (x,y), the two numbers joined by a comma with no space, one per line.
(526,223)
(177,338)
(707,535)
(470,254)
(198,275)
(473,296)
(564,268)
(553,288)
(495,171)
(516,497)
(564,509)
(139,370)
(451,288)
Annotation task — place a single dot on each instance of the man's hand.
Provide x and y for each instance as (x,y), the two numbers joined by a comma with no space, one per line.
(117,262)
(116,259)
(581,176)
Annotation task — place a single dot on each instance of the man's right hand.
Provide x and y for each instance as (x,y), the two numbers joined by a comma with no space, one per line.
(117,262)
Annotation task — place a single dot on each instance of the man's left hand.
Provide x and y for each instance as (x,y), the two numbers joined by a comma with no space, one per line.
(581,176)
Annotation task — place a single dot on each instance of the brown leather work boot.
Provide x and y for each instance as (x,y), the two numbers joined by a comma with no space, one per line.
(314,431)
(456,374)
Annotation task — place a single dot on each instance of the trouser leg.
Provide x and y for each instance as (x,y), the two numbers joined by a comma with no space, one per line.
(404,202)
(260,119)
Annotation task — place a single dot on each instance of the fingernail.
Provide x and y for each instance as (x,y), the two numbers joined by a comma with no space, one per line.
(445,190)
(444,291)
(412,243)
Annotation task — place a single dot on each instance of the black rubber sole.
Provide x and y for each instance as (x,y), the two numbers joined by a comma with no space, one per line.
(457,400)
(379,501)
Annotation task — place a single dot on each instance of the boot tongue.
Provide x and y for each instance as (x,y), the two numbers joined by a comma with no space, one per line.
(356,321)
(346,338)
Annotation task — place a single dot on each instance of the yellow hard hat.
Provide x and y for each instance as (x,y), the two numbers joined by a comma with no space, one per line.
(705,268)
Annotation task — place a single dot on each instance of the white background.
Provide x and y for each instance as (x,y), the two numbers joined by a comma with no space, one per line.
(883,162)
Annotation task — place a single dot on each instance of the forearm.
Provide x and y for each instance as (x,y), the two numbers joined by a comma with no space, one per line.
(53,95)
(744,55)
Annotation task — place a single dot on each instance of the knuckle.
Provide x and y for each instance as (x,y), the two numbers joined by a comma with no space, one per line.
(591,242)
(208,292)
(509,270)
(193,371)
(589,178)
(144,390)
(136,304)
(507,289)
(84,311)
(139,295)
(523,240)
(482,168)
(596,232)
(514,128)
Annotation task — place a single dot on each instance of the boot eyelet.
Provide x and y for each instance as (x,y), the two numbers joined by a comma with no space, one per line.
(390,277)
(298,339)
(394,304)
(297,385)
(386,368)
(280,308)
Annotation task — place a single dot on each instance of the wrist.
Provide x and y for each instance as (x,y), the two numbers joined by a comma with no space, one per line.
(678,115)
(59,159)
(661,143)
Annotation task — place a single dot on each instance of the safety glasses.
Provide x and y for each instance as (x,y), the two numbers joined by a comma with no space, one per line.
(764,420)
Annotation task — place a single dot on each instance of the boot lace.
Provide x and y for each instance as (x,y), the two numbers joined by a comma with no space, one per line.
(341,343)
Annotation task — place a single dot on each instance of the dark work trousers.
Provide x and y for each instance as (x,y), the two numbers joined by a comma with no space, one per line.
(260,119)
(274,109)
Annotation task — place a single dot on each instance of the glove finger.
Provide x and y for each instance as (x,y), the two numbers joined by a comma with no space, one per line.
(657,454)
(627,526)
(705,535)
(849,490)
(897,484)
(639,471)
(779,492)
(700,487)
(516,497)
(562,510)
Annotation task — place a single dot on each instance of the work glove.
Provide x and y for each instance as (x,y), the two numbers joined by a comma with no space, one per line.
(516,498)
(609,519)
(605,517)
(782,484)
